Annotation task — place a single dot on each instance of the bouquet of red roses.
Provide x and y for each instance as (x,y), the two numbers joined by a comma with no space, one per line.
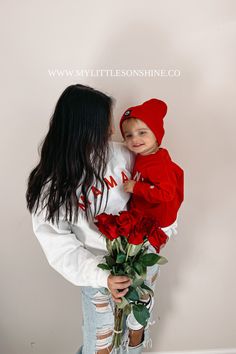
(127,237)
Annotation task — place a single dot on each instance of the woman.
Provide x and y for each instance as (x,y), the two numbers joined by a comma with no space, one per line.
(79,175)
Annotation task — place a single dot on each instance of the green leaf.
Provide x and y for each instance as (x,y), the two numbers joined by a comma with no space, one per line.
(138,267)
(120,258)
(103,266)
(122,246)
(127,267)
(124,302)
(129,270)
(110,260)
(124,241)
(138,280)
(132,294)
(114,245)
(134,249)
(127,309)
(162,260)
(109,245)
(150,291)
(140,291)
(121,272)
(149,259)
(141,314)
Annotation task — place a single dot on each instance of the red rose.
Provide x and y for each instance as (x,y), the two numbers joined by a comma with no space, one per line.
(125,223)
(106,223)
(135,238)
(148,224)
(137,233)
(157,238)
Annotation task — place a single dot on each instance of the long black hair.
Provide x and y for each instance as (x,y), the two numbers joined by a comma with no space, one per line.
(73,154)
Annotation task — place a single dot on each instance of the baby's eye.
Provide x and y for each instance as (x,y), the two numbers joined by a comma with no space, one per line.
(142,132)
(128,135)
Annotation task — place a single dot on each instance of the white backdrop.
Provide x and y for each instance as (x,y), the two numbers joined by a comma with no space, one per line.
(40,310)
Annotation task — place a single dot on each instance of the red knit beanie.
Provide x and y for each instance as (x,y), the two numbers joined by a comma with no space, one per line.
(152,113)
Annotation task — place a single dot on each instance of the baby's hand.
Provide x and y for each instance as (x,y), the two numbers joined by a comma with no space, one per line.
(129,186)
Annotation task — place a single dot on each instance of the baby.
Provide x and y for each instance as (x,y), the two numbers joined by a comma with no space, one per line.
(157,181)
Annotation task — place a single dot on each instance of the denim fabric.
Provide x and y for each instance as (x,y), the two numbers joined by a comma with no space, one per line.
(100,320)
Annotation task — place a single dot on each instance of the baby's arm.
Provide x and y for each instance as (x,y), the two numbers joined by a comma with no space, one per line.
(161,188)
(129,186)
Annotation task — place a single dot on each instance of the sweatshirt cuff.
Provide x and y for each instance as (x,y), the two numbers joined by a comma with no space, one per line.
(102,278)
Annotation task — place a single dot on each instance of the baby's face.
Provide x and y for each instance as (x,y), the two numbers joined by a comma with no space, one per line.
(139,138)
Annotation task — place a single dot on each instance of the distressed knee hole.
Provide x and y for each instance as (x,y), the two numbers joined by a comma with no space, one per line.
(103,307)
(105,350)
(136,337)
(102,302)
(102,336)
(104,340)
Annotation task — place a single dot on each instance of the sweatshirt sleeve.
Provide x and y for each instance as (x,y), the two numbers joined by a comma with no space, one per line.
(171,230)
(161,188)
(67,255)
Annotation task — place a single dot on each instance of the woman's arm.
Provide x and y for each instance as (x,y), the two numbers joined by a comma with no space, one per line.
(67,255)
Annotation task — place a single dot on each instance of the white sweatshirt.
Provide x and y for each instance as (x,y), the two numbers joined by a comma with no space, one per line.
(75,250)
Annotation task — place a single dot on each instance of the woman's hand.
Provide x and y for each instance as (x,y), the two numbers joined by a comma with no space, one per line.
(129,186)
(115,282)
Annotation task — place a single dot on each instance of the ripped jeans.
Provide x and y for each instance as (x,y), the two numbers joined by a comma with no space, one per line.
(98,320)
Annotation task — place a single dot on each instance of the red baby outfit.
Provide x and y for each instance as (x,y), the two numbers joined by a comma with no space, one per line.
(158,191)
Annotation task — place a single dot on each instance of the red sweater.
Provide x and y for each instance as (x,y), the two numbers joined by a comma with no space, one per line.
(159,189)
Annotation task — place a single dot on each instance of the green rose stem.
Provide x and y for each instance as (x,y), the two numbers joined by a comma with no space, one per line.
(118,327)
(117,245)
(129,247)
(119,312)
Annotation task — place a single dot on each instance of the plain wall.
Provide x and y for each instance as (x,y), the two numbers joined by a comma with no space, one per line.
(40,311)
